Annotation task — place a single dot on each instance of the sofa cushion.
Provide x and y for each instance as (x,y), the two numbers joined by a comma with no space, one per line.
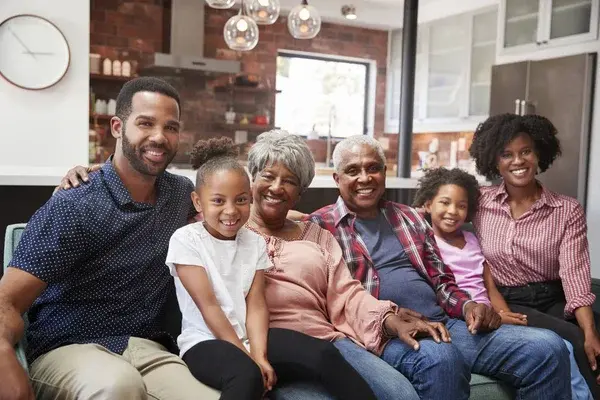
(486,388)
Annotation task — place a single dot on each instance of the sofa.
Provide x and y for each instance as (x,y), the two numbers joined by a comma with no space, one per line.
(482,388)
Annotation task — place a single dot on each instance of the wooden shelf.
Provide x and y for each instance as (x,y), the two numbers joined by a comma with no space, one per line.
(243,89)
(112,78)
(245,127)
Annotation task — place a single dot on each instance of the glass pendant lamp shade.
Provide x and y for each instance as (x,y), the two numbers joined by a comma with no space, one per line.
(304,21)
(241,32)
(220,3)
(264,12)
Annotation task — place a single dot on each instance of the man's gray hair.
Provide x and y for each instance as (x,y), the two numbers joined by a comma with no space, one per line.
(280,146)
(351,141)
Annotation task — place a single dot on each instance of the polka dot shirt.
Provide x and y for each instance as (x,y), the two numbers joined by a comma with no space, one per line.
(103,258)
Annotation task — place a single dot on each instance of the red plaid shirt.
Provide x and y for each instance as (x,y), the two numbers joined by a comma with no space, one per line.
(414,234)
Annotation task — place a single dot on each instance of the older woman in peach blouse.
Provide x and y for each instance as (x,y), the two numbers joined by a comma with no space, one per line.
(309,288)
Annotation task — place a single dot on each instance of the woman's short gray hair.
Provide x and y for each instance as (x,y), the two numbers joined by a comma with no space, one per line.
(280,146)
(351,141)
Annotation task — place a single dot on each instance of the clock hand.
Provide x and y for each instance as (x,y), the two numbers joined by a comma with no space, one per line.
(21,42)
(41,53)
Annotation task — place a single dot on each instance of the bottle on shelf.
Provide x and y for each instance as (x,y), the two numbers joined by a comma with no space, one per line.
(107,67)
(126,68)
(230,116)
(116,68)
(94,63)
(112,107)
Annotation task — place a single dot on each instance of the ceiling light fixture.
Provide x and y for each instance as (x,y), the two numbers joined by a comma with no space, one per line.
(241,32)
(264,12)
(304,21)
(349,11)
(220,4)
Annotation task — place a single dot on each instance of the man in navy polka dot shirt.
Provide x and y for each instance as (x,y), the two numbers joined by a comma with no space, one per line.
(90,270)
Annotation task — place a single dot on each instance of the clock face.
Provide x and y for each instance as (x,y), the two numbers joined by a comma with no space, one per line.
(35,53)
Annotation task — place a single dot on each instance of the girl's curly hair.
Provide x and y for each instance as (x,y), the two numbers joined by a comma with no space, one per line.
(214,154)
(494,134)
(430,184)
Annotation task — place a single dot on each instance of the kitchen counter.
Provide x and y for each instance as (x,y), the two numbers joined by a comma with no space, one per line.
(324,181)
(40,176)
(44,176)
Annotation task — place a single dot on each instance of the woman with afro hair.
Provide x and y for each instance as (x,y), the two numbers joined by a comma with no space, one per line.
(535,240)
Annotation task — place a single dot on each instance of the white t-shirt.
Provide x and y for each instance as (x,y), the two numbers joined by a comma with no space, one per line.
(230,266)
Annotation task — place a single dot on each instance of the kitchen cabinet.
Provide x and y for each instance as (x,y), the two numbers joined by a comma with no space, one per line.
(531,25)
(453,72)
(483,56)
(446,75)
(395,75)
(561,90)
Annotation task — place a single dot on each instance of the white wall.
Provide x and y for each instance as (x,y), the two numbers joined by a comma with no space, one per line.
(49,128)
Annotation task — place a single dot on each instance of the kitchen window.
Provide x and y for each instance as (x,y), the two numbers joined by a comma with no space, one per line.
(321,95)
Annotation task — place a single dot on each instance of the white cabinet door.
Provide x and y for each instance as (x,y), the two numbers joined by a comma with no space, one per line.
(395,76)
(446,78)
(483,56)
(571,21)
(531,25)
(520,21)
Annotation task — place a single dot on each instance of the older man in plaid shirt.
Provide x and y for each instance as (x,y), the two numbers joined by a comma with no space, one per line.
(391,249)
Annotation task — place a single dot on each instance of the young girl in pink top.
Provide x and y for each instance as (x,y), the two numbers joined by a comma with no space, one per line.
(449,198)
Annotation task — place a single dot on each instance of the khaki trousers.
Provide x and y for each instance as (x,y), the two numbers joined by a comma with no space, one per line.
(89,371)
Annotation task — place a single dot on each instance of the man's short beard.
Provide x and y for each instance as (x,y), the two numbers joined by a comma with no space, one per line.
(135,157)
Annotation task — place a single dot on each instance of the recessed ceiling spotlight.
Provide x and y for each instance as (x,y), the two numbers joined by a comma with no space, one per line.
(349,11)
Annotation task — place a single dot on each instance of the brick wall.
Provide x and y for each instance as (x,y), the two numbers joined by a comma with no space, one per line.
(421,142)
(135,29)
(126,29)
(332,40)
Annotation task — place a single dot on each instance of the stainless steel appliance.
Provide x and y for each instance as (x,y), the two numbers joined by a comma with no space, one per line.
(560,89)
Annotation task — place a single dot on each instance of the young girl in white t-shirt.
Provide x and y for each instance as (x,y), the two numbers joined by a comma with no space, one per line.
(218,268)
(449,198)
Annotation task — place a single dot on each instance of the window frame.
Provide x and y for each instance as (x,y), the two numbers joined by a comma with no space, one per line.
(370,82)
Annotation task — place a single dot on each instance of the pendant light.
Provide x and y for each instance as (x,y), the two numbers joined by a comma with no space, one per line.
(241,32)
(349,12)
(304,22)
(221,4)
(264,12)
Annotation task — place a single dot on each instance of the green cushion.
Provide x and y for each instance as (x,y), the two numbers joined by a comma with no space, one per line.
(484,388)
(11,239)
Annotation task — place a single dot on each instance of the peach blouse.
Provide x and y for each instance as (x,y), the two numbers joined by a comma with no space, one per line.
(309,289)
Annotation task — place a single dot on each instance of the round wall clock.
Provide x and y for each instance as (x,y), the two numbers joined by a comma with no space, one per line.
(34,52)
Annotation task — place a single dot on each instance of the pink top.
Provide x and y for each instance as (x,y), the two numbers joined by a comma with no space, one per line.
(310,290)
(548,242)
(467,266)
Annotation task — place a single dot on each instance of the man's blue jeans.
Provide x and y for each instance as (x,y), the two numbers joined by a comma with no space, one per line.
(534,361)
(386,382)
